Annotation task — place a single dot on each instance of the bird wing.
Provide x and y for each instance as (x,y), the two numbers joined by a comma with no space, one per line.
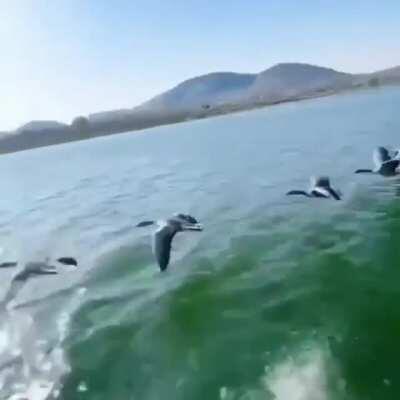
(162,245)
(9,264)
(334,193)
(389,167)
(320,192)
(15,287)
(381,155)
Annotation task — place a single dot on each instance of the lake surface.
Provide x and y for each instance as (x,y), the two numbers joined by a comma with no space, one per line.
(278,298)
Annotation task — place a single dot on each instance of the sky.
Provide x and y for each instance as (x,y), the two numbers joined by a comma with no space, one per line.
(66,58)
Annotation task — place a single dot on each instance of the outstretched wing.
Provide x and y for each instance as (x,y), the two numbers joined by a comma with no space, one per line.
(162,245)
(297,193)
(10,264)
(334,194)
(381,155)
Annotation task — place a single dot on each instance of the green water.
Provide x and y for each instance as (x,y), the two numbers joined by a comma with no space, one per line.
(278,298)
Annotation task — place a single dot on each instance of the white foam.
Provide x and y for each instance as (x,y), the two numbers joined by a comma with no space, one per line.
(3,341)
(37,390)
(81,291)
(223,393)
(82,387)
(300,378)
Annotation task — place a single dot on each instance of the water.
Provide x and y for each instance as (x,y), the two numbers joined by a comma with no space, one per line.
(278,298)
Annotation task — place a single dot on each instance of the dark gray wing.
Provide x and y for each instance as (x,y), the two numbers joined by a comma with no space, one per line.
(381,155)
(162,245)
(10,264)
(389,168)
(334,193)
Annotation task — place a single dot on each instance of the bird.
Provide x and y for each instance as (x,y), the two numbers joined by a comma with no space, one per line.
(39,267)
(385,165)
(166,231)
(33,269)
(319,187)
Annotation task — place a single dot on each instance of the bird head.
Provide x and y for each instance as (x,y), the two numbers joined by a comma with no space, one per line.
(68,261)
(144,223)
(191,227)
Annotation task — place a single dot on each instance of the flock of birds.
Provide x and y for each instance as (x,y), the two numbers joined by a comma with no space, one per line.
(386,164)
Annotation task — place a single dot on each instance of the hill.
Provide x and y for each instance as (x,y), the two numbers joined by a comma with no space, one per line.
(200,97)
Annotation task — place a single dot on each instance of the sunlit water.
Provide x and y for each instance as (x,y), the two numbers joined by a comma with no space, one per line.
(278,298)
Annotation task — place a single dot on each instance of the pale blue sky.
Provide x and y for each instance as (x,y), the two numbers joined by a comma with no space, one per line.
(62,58)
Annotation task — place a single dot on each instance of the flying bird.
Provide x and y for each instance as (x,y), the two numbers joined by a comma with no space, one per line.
(33,269)
(165,233)
(384,164)
(319,187)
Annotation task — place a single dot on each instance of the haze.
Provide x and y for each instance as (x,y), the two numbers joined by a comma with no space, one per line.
(66,58)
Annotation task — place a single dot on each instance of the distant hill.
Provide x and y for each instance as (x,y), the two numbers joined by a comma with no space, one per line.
(290,80)
(282,81)
(200,97)
(41,125)
(388,76)
(35,134)
(215,88)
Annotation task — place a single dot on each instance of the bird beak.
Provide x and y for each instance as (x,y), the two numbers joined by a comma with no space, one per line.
(193,227)
(47,271)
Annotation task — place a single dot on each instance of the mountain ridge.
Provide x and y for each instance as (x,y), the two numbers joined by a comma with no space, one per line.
(202,96)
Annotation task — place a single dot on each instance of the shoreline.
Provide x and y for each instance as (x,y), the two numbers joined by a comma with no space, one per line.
(174,119)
